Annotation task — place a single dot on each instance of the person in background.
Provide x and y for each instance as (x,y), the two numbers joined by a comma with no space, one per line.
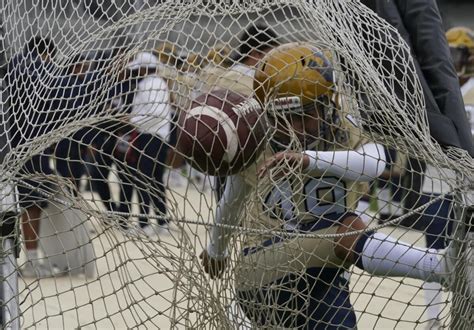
(29,87)
(151,115)
(461,43)
(125,154)
(101,137)
(168,61)
(438,227)
(190,86)
(169,65)
(255,43)
(70,152)
(434,67)
(444,106)
(218,63)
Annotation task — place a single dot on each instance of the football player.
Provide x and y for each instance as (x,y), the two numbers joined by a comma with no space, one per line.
(296,203)
(461,44)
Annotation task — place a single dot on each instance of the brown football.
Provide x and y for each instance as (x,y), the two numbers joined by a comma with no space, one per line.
(222,133)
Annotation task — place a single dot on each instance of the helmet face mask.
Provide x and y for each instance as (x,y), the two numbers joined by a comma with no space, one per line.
(461,57)
(303,124)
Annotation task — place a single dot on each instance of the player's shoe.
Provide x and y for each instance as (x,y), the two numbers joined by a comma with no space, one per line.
(451,258)
(38,270)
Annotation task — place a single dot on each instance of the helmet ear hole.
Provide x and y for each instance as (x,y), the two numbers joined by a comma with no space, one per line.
(303,61)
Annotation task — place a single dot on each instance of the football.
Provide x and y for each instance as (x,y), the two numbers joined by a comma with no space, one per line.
(222,132)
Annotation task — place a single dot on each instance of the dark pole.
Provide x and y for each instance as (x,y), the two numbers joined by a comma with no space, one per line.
(9,303)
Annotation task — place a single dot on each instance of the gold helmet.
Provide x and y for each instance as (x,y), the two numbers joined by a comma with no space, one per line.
(461,43)
(296,79)
(193,63)
(294,70)
(166,53)
(219,55)
(460,37)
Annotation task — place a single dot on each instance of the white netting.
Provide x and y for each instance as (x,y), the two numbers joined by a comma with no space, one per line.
(90,148)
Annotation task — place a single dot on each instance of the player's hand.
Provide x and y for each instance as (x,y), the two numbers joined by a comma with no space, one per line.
(283,161)
(214,267)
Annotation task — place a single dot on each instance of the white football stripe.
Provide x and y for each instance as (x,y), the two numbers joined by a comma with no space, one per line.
(227,124)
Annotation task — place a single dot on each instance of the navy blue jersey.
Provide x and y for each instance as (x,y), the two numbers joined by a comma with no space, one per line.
(315,299)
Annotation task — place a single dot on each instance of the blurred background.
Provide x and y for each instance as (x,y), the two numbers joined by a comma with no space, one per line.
(75,19)
(457,12)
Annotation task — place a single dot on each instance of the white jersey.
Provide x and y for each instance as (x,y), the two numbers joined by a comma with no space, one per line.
(151,109)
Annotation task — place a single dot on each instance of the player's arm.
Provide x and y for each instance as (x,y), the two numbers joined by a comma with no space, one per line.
(363,164)
(228,214)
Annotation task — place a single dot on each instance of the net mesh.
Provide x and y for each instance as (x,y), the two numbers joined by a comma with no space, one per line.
(116,208)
